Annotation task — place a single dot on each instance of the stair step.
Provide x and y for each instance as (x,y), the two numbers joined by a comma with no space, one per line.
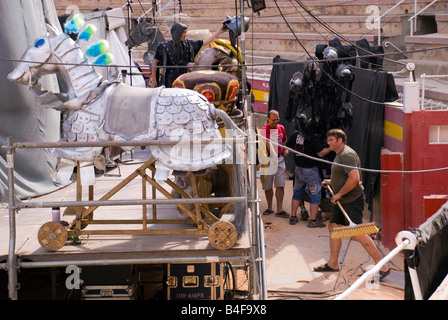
(442,22)
(341,24)
(288,41)
(270,36)
(435,44)
(264,58)
(318,7)
(432,38)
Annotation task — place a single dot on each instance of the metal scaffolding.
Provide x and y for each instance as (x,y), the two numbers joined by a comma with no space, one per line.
(255,259)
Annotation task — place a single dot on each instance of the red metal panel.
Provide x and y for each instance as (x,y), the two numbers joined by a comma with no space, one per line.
(433,204)
(419,138)
(403,194)
(392,194)
(426,156)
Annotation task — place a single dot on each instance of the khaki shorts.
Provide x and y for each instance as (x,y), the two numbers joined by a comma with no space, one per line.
(277,179)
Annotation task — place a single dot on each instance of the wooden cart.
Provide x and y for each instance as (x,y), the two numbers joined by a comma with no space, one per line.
(222,234)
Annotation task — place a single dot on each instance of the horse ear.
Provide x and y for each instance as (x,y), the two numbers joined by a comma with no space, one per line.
(52,31)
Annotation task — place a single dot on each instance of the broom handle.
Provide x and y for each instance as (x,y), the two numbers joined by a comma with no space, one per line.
(340,206)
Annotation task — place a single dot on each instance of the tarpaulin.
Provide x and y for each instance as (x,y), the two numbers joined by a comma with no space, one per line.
(430,257)
(21,117)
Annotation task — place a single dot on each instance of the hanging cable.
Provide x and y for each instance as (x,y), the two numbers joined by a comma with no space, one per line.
(347,166)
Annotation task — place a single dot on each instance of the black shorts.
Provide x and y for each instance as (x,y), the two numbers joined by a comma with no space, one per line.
(353,209)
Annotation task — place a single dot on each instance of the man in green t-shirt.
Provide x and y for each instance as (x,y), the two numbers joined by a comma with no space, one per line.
(345,180)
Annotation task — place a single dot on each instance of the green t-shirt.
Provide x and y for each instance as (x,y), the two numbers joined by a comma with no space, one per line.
(347,156)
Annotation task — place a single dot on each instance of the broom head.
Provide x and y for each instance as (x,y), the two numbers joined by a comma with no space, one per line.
(353,231)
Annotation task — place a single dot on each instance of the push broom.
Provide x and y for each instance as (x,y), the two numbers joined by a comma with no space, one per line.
(352,229)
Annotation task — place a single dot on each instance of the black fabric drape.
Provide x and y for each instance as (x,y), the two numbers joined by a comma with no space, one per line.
(366,134)
(370,89)
(281,74)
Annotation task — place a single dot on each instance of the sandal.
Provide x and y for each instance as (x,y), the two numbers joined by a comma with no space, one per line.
(384,274)
(325,268)
(267,211)
(304,215)
(282,214)
(293,220)
(315,224)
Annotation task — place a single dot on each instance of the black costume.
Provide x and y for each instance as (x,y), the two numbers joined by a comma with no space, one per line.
(175,53)
(310,147)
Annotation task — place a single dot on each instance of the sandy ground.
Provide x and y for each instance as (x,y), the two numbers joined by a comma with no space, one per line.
(292,251)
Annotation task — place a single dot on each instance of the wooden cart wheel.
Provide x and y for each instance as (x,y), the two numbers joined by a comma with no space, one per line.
(52,236)
(222,235)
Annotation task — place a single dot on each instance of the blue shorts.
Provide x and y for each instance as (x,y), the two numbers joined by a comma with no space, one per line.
(307,180)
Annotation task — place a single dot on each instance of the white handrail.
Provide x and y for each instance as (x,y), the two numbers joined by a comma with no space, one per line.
(414,17)
(379,20)
(423,77)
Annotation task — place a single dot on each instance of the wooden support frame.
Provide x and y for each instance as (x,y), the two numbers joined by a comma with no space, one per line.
(222,234)
(84,216)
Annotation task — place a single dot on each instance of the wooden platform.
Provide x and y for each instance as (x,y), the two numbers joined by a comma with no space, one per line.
(103,247)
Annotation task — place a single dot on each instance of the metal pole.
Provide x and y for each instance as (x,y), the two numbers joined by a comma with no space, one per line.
(12,259)
(125,144)
(253,275)
(379,31)
(257,225)
(129,32)
(50,204)
(422,105)
(154,260)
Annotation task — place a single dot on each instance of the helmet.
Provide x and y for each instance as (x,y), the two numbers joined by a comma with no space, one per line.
(330,53)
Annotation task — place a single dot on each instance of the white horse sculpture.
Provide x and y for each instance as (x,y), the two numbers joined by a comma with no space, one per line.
(97,110)
(113,111)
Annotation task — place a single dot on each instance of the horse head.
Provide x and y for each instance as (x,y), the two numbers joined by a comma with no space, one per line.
(36,61)
(52,53)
